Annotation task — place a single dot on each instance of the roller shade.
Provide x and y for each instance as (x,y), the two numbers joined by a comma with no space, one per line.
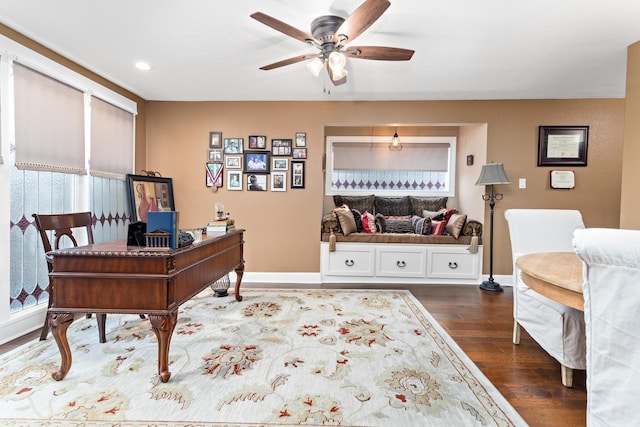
(112,140)
(377,156)
(49,123)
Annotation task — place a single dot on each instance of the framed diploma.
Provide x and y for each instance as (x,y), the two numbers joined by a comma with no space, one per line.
(563,179)
(563,145)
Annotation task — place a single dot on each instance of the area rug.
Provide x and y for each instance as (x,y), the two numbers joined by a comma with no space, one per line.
(277,358)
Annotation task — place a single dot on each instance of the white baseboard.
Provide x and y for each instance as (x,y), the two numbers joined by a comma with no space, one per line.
(22,323)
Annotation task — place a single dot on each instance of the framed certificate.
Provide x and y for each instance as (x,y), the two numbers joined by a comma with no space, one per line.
(563,180)
(563,145)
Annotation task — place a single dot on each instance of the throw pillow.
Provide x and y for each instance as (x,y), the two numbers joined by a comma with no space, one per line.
(438,227)
(360,203)
(381,223)
(421,225)
(346,219)
(368,223)
(399,226)
(358,217)
(393,205)
(455,224)
(419,204)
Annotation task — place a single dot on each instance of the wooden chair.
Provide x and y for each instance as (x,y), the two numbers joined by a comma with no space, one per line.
(63,225)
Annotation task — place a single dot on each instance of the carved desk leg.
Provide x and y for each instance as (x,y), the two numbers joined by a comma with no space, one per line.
(163,326)
(239,273)
(59,323)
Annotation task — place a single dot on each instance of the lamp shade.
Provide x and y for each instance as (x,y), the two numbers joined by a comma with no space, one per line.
(493,173)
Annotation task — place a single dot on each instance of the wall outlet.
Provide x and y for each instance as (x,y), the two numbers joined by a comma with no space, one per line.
(522,183)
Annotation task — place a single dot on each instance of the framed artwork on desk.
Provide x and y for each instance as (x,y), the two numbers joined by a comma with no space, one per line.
(149,193)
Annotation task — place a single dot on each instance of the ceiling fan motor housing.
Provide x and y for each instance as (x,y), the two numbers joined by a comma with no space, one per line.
(323,29)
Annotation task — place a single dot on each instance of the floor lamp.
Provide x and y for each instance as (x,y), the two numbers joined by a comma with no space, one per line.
(491,174)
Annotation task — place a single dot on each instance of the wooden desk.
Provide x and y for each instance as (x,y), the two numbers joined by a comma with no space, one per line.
(556,275)
(113,278)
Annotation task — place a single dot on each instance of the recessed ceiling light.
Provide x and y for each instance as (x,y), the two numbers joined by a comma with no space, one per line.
(143,66)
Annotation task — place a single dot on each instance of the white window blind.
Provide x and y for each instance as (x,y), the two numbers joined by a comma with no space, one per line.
(49,123)
(112,138)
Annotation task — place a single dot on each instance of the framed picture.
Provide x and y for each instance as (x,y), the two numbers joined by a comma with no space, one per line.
(213,176)
(257,142)
(299,153)
(215,139)
(256,182)
(297,174)
(281,147)
(278,181)
(214,155)
(257,162)
(149,193)
(234,180)
(233,145)
(563,145)
(279,164)
(233,162)
(301,139)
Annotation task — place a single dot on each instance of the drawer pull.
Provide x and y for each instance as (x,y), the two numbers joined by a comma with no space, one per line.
(349,262)
(453,265)
(401,264)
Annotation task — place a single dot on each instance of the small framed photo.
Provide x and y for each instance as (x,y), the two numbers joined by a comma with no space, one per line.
(233,145)
(215,139)
(301,139)
(257,142)
(278,181)
(257,162)
(297,174)
(563,145)
(214,155)
(233,162)
(299,153)
(279,164)
(214,174)
(281,147)
(234,180)
(256,182)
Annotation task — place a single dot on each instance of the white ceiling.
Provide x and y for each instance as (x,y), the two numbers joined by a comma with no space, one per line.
(465,49)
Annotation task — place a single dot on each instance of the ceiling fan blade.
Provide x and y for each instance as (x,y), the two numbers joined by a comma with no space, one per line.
(360,20)
(380,53)
(283,28)
(289,61)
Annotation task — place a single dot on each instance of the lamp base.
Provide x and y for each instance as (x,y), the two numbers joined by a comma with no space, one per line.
(490,285)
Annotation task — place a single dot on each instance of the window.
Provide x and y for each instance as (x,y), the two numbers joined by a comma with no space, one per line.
(364,165)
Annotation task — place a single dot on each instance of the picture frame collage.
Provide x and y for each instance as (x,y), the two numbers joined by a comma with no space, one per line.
(253,165)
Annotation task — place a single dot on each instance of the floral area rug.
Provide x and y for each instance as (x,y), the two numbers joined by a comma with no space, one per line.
(277,358)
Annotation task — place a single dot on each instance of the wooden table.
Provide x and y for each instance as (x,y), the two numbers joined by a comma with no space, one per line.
(556,275)
(113,278)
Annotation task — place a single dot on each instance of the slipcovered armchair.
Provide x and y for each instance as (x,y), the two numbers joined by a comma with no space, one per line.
(611,287)
(558,329)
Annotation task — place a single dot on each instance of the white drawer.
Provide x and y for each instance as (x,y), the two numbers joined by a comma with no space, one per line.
(401,262)
(450,262)
(351,261)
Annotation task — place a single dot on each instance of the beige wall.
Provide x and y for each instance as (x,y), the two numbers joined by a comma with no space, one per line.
(630,205)
(283,228)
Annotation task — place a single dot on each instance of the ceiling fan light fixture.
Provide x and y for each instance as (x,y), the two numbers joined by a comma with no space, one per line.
(337,61)
(315,66)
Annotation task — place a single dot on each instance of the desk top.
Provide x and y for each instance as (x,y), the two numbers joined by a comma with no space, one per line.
(556,275)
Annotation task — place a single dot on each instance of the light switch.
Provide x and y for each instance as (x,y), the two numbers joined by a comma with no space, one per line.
(522,183)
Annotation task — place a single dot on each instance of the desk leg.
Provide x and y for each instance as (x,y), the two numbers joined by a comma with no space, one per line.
(59,323)
(239,273)
(163,326)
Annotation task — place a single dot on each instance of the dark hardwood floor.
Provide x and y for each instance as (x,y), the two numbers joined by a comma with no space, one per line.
(481,323)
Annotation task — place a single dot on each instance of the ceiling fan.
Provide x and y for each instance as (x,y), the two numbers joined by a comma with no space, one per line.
(330,34)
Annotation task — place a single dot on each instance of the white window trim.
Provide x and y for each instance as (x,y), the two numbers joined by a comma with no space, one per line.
(451,140)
